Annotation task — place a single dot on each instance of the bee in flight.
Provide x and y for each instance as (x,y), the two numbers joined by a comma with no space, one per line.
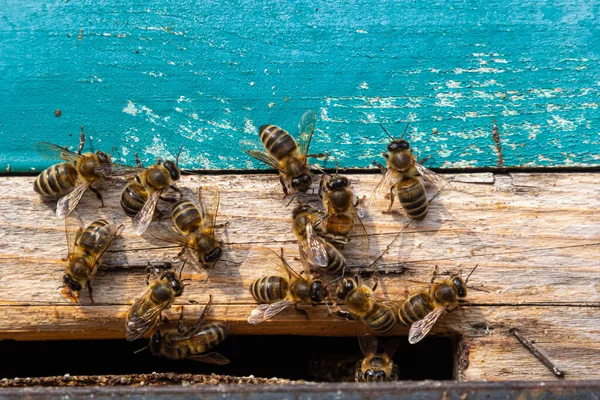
(315,250)
(86,247)
(145,313)
(421,310)
(141,195)
(192,344)
(362,303)
(376,367)
(195,226)
(285,155)
(402,177)
(342,219)
(69,180)
(277,293)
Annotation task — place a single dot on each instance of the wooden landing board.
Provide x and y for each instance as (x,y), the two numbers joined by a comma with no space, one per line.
(534,237)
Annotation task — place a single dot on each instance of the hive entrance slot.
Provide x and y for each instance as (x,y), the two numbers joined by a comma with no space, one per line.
(290,357)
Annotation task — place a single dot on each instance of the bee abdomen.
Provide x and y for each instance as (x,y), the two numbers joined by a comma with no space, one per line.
(381,319)
(413,198)
(186,216)
(209,336)
(56,180)
(414,309)
(269,289)
(91,236)
(336,261)
(133,198)
(277,141)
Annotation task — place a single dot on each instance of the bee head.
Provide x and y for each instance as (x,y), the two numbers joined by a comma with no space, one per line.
(175,283)
(302,183)
(213,256)
(398,145)
(374,375)
(318,291)
(155,342)
(71,283)
(173,170)
(461,286)
(337,183)
(301,209)
(103,157)
(345,287)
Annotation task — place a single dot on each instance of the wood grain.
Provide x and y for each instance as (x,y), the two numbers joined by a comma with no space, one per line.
(534,238)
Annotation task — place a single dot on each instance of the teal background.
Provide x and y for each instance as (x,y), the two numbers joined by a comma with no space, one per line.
(148,76)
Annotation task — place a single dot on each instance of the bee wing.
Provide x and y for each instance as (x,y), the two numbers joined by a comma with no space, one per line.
(280,262)
(170,235)
(208,200)
(138,325)
(144,217)
(267,311)
(312,250)
(251,148)
(368,345)
(52,152)
(210,358)
(421,328)
(103,243)
(360,236)
(68,203)
(432,179)
(73,230)
(117,170)
(306,128)
(383,187)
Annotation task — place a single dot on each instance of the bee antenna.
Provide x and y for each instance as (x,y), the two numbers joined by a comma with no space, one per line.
(142,349)
(386,132)
(336,165)
(178,154)
(405,129)
(182,267)
(471,273)
(292,199)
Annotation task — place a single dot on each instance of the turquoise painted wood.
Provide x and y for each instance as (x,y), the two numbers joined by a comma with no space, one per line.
(147,76)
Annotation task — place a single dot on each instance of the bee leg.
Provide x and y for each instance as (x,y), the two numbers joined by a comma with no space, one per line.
(180,323)
(435,274)
(98,195)
(381,167)
(300,311)
(138,163)
(164,319)
(392,190)
(89,285)
(284,187)
(345,315)
(376,279)
(221,226)
(182,251)
(385,155)
(81,141)
(177,190)
(319,155)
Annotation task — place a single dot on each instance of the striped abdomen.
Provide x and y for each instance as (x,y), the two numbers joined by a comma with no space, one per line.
(206,338)
(57,180)
(414,308)
(133,198)
(269,289)
(92,237)
(186,216)
(335,260)
(277,141)
(413,197)
(381,319)
(339,224)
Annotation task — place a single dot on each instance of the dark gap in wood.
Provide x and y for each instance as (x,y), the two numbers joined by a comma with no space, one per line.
(321,359)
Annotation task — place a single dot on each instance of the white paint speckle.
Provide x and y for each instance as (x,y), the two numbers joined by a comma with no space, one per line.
(363,85)
(361,31)
(249,127)
(251,83)
(453,84)
(131,109)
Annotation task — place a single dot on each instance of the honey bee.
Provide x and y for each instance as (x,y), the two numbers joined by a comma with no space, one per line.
(376,367)
(403,176)
(361,302)
(86,247)
(421,310)
(191,344)
(140,196)
(277,293)
(314,250)
(69,180)
(285,155)
(145,313)
(340,203)
(195,226)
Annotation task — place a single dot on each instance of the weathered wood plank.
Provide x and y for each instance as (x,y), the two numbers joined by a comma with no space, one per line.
(534,237)
(146,76)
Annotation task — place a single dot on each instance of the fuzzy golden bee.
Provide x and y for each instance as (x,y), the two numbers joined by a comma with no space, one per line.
(194,226)
(69,180)
(421,310)
(192,344)
(145,313)
(86,247)
(285,155)
(376,366)
(277,293)
(362,304)
(315,250)
(140,197)
(403,177)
